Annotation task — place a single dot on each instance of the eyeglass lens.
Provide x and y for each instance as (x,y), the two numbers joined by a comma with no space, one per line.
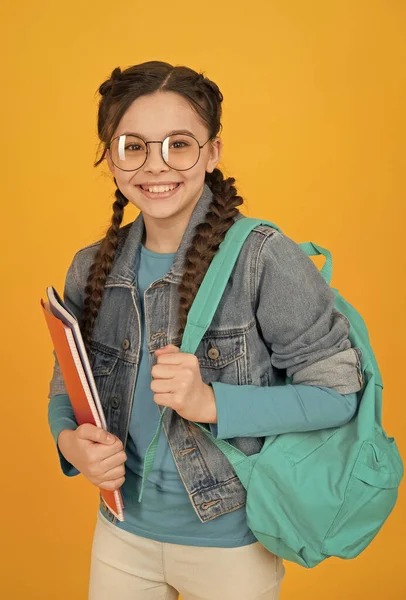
(179,151)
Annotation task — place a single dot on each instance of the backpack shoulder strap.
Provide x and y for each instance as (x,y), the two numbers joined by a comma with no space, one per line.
(212,287)
(205,305)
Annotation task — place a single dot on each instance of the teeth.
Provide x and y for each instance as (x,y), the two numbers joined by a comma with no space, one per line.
(160,188)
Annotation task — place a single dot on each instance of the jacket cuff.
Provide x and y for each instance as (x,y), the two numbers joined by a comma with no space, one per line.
(342,371)
(67,467)
(60,417)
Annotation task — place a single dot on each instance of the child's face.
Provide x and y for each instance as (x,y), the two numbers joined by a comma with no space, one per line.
(153,117)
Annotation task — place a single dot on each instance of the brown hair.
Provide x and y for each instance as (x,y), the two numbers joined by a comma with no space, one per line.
(117,94)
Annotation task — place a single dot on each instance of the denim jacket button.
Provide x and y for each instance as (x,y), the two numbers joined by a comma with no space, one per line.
(126,344)
(115,402)
(213,353)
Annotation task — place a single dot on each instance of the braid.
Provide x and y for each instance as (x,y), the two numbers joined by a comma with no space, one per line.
(209,235)
(100,269)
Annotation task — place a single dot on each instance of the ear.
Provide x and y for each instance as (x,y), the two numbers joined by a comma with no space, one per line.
(109,162)
(216,148)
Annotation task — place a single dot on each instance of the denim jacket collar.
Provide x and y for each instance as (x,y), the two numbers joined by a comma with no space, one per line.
(125,265)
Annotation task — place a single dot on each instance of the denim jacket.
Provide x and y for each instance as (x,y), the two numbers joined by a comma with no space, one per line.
(276,316)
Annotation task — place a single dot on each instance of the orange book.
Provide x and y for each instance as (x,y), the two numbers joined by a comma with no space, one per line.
(77,375)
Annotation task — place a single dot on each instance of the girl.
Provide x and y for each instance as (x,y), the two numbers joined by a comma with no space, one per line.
(132,291)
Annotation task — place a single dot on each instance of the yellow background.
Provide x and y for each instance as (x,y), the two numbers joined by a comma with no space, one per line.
(314,130)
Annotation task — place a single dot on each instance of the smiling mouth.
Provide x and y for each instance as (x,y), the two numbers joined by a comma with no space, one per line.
(160,188)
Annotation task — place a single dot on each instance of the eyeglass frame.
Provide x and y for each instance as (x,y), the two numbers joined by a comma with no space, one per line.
(157,142)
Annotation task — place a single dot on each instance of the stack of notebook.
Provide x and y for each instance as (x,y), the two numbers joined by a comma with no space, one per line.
(77,374)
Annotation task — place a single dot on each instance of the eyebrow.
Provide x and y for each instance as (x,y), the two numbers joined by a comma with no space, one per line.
(169,133)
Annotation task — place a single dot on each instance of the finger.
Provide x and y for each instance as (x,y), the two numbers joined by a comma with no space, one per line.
(171,358)
(162,386)
(112,485)
(169,348)
(113,474)
(101,452)
(160,371)
(110,462)
(165,400)
(90,432)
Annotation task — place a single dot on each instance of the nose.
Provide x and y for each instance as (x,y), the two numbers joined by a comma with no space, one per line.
(155,162)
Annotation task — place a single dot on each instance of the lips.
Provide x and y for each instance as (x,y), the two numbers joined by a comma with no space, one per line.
(160,195)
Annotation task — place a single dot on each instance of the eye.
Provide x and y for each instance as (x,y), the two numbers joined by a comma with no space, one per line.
(132,147)
(180,144)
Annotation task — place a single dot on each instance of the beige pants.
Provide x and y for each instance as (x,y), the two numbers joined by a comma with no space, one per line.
(125,566)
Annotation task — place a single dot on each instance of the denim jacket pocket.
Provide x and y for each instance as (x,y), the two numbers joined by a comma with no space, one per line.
(223,358)
(102,364)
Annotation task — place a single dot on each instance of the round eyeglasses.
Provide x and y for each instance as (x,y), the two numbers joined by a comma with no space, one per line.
(180,151)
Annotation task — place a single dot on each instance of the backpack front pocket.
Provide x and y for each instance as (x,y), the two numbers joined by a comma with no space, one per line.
(370,496)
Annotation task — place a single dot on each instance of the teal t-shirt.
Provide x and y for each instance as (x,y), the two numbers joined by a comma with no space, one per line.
(165,513)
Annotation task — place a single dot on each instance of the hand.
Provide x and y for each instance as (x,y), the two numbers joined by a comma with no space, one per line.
(97,454)
(177,383)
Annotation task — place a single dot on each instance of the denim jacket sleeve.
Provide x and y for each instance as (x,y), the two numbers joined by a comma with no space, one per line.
(60,412)
(295,312)
(60,417)
(308,338)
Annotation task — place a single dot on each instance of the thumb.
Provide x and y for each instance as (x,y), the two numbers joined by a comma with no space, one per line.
(167,349)
(90,432)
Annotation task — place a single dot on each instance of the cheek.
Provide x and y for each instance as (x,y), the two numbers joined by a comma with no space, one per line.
(123,179)
(197,173)
(127,185)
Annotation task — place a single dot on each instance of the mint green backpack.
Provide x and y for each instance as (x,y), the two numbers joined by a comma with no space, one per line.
(316,494)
